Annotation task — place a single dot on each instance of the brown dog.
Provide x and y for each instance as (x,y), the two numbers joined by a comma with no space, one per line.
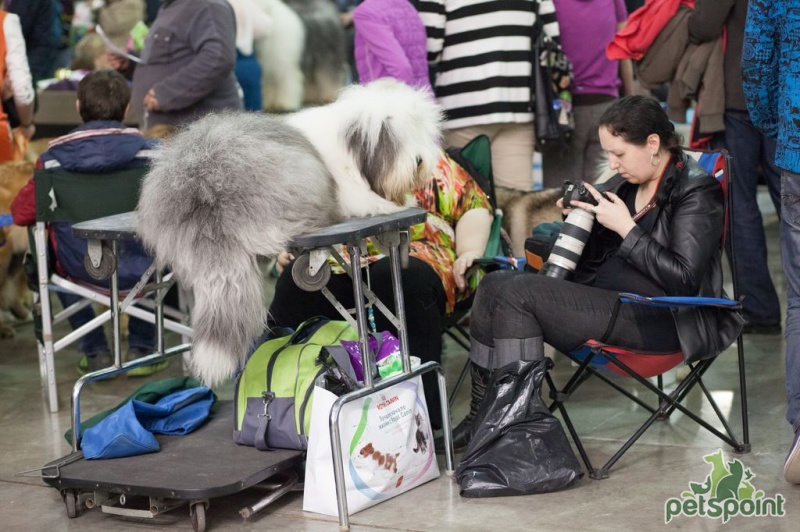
(14,295)
(522,211)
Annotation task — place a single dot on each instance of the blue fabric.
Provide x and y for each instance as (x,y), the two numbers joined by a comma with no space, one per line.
(248,74)
(771,75)
(6,219)
(790,257)
(100,153)
(130,430)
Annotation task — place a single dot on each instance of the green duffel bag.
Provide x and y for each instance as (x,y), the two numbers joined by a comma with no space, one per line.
(274,392)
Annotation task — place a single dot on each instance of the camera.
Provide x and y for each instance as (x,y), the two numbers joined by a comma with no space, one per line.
(574,233)
(576,192)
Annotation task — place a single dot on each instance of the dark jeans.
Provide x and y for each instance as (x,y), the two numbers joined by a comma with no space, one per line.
(141,335)
(424,299)
(515,313)
(248,74)
(749,148)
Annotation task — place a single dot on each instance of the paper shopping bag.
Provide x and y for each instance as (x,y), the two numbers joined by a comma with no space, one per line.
(387,448)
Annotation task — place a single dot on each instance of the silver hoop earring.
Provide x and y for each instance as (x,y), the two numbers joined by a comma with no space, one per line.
(655,160)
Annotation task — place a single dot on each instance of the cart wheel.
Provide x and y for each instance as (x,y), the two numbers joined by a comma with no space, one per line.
(197,512)
(106,267)
(306,281)
(71,502)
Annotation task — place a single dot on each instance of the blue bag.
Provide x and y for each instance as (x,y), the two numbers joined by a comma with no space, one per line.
(130,430)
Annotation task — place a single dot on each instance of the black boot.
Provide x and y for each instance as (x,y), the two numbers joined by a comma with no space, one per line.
(462,434)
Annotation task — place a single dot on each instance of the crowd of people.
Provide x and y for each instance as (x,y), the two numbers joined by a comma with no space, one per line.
(198,57)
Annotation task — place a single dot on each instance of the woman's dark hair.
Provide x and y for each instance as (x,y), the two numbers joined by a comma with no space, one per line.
(634,118)
(103,95)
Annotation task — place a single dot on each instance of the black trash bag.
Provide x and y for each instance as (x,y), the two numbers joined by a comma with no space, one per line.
(518,447)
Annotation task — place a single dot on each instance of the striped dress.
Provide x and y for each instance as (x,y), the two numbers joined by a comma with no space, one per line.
(481,50)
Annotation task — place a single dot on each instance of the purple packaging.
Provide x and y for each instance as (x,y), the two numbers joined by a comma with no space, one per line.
(389,346)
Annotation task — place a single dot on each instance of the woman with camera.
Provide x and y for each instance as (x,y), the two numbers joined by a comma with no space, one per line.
(659,233)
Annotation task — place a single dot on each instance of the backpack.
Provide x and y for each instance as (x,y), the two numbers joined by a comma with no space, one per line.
(273,394)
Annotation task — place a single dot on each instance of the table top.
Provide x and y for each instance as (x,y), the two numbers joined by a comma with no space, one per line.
(123,227)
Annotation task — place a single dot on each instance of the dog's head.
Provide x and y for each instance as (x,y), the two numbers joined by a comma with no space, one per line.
(393,136)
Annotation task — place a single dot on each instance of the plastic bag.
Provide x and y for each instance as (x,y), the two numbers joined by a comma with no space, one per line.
(382,344)
(518,447)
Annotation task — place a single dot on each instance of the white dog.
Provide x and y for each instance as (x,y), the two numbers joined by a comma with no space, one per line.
(233,186)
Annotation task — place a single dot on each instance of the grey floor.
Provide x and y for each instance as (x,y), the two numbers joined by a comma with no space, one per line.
(659,467)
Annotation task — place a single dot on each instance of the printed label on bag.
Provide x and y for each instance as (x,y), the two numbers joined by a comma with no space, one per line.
(392,445)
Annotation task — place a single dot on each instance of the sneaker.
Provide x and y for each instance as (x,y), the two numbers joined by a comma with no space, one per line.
(95,362)
(791,471)
(144,371)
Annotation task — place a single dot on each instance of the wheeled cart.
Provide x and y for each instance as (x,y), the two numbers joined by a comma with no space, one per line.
(189,469)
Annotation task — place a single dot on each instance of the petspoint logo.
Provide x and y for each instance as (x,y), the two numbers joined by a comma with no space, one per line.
(728,491)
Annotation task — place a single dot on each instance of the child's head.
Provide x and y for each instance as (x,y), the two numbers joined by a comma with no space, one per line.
(103,95)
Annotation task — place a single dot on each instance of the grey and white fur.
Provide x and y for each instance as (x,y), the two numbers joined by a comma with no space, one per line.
(230,187)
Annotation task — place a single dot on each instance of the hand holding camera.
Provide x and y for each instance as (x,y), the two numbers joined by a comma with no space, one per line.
(607,207)
(582,203)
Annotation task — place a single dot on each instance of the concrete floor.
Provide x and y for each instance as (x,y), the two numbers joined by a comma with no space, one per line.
(659,467)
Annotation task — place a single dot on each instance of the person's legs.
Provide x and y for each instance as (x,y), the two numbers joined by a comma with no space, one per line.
(424,298)
(516,312)
(292,305)
(248,74)
(94,341)
(790,256)
(749,148)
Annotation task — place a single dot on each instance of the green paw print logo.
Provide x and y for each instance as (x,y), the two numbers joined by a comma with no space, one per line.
(727,491)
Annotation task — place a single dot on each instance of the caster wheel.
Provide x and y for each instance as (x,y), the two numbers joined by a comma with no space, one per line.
(71,502)
(197,512)
(306,281)
(106,267)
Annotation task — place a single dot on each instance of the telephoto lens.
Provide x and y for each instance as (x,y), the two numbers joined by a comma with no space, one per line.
(569,245)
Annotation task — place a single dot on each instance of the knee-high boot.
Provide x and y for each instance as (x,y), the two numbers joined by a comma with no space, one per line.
(462,434)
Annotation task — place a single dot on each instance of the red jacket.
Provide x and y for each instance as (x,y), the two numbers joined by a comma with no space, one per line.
(643,27)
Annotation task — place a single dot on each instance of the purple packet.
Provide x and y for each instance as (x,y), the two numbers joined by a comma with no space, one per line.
(389,346)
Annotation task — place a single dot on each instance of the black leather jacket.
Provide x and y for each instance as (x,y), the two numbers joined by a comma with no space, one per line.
(682,254)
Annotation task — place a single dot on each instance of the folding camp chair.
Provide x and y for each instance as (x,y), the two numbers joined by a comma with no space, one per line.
(609,363)
(476,158)
(71,197)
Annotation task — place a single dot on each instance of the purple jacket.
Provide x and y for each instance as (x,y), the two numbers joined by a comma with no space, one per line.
(390,42)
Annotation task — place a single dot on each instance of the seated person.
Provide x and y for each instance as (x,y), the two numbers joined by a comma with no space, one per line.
(102,144)
(441,250)
(659,234)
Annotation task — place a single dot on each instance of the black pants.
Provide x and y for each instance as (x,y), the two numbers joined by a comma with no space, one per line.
(424,299)
(515,313)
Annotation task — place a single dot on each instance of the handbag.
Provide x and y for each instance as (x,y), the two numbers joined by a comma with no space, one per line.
(552,104)
(273,394)
(519,447)
(387,447)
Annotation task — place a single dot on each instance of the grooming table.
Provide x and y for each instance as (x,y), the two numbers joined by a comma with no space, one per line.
(187,469)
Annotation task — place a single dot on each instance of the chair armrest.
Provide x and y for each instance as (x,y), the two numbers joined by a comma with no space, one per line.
(680,301)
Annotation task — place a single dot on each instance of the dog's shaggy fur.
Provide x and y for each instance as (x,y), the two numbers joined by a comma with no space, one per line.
(14,294)
(280,55)
(522,211)
(233,186)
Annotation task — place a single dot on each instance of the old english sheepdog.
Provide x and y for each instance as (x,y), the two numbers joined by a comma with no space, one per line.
(230,187)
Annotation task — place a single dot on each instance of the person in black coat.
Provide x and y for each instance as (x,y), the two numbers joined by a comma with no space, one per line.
(659,233)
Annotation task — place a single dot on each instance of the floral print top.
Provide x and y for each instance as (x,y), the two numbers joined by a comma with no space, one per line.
(447,196)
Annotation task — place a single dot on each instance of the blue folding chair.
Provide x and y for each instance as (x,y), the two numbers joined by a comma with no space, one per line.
(606,362)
